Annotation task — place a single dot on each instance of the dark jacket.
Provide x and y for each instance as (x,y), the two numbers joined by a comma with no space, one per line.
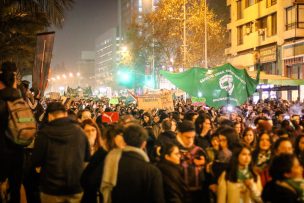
(137,181)
(276,193)
(174,185)
(91,177)
(61,149)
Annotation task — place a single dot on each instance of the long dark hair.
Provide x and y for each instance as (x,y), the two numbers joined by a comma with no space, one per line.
(253,144)
(98,140)
(149,123)
(257,150)
(199,122)
(233,167)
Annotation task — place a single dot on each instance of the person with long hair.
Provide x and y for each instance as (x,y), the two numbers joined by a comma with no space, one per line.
(93,134)
(91,176)
(203,127)
(146,120)
(239,128)
(239,183)
(249,138)
(262,155)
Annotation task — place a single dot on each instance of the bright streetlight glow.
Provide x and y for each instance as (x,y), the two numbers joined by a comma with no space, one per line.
(125,77)
(124,49)
(71,75)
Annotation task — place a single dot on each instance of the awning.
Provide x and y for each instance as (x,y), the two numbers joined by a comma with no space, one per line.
(276,79)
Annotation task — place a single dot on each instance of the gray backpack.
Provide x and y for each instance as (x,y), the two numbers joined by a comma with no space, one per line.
(22,126)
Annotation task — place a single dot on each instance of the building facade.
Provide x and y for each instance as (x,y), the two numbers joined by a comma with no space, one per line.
(106,50)
(128,9)
(86,69)
(271,31)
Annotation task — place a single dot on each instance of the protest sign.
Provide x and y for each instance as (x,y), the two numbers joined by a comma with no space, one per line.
(114,101)
(110,117)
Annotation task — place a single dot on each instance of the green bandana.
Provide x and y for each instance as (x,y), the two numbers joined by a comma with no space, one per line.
(298,186)
(244,174)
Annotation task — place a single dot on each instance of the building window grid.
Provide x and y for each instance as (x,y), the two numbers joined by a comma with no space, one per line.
(300,13)
(274,24)
(240,35)
(271,3)
(239,10)
(295,17)
(251,2)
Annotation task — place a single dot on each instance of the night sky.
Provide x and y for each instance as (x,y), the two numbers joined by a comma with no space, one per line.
(83,24)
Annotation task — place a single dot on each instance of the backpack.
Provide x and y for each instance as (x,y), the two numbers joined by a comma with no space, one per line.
(193,175)
(22,125)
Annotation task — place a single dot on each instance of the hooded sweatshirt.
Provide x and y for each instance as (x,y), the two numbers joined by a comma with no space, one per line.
(61,149)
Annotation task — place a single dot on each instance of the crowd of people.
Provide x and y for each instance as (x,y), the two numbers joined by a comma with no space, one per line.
(251,153)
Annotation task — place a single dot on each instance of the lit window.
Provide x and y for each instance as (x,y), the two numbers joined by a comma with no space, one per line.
(240,35)
(291,17)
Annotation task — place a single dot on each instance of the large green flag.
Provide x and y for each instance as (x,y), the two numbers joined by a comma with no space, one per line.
(219,86)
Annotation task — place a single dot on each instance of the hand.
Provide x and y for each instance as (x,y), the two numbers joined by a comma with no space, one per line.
(200,162)
(213,188)
(205,131)
(249,183)
(208,167)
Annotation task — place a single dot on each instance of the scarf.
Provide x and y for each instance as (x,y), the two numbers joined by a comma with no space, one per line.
(243,174)
(110,171)
(298,186)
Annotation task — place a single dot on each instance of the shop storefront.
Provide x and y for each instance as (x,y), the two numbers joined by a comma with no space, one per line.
(293,67)
(268,59)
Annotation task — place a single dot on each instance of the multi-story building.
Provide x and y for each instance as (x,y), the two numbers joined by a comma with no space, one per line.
(128,9)
(273,32)
(107,46)
(86,69)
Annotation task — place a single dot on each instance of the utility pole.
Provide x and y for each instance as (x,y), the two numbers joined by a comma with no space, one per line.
(185,39)
(154,77)
(206,37)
